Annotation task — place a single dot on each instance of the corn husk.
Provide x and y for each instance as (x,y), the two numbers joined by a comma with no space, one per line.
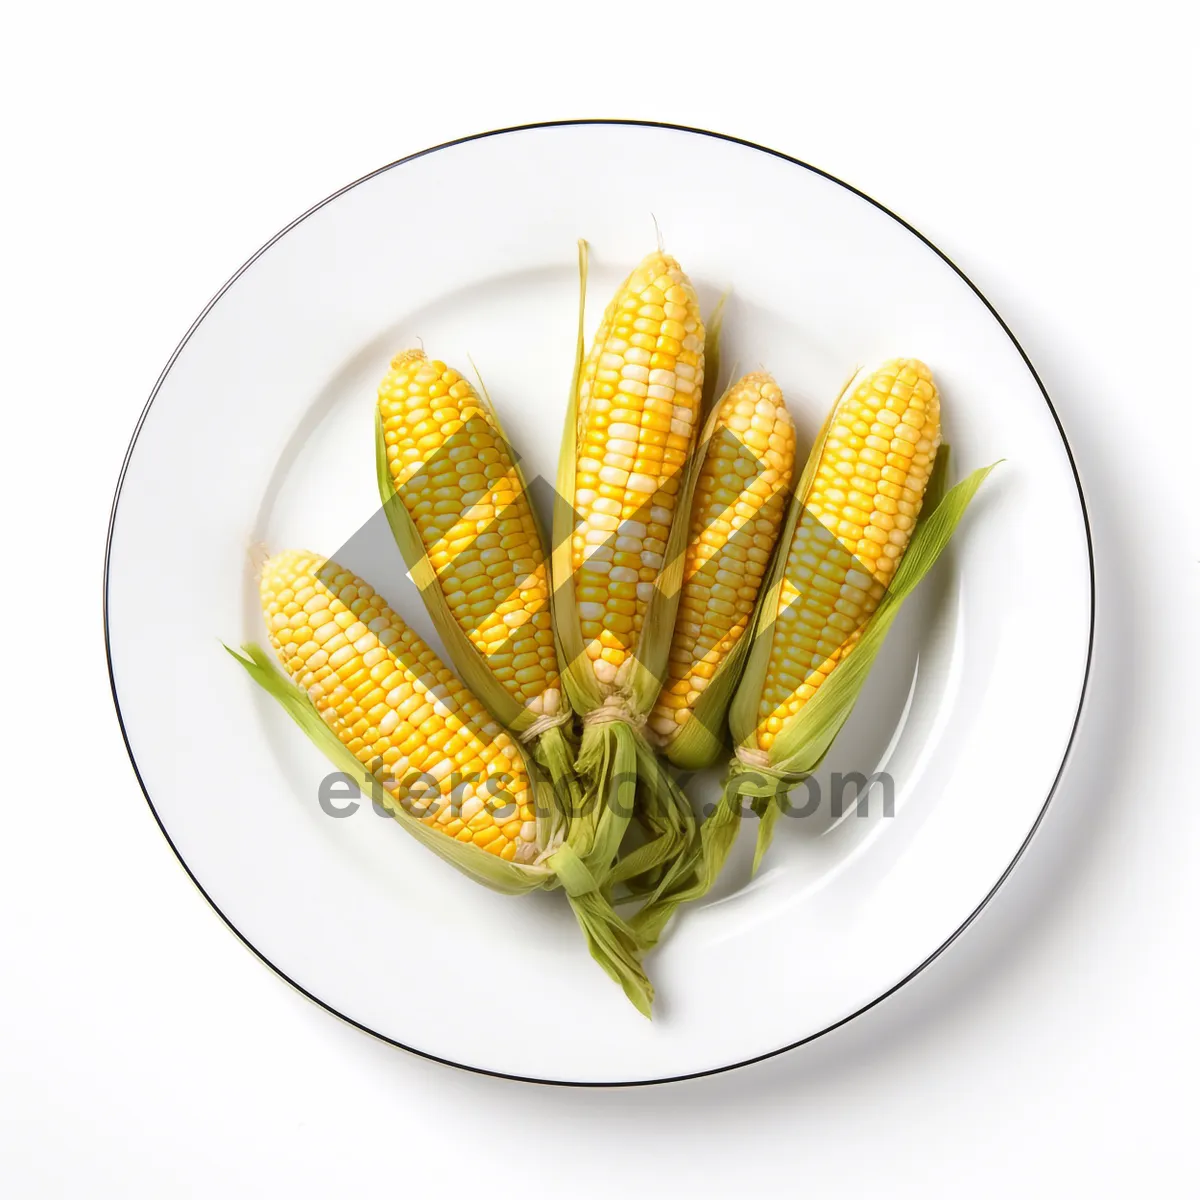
(801,745)
(551,748)
(614,757)
(609,938)
(712,354)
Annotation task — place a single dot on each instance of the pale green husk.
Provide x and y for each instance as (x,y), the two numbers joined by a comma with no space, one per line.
(712,355)
(804,741)
(609,938)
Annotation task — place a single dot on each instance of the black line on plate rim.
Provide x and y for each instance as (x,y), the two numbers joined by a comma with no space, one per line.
(769,1053)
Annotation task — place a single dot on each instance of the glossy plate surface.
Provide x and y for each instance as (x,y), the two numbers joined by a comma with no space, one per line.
(261,431)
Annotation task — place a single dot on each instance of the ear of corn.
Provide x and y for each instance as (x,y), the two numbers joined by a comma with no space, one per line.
(637,417)
(460,513)
(856,522)
(625,472)
(451,467)
(396,707)
(764,774)
(738,507)
(382,707)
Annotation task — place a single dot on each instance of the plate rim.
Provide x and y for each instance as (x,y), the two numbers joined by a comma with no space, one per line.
(745,1062)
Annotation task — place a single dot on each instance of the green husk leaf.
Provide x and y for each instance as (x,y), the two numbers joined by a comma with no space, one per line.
(712,354)
(665,814)
(610,940)
(607,762)
(768,813)
(579,681)
(695,871)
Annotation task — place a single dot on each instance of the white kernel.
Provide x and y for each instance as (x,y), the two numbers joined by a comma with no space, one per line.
(660,391)
(623,575)
(621,429)
(613,476)
(596,537)
(643,484)
(645,592)
(632,529)
(637,355)
(636,372)
(681,428)
(622,447)
(605,671)
(611,362)
(660,515)
(589,610)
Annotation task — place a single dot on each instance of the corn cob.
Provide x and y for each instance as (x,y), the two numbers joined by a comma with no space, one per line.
(452,468)
(858,517)
(737,510)
(638,412)
(397,708)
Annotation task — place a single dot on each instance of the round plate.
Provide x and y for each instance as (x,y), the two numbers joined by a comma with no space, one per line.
(260,430)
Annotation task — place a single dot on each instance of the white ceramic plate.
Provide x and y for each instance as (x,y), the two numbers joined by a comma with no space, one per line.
(260,429)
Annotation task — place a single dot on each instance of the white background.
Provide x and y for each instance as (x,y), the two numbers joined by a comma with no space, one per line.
(150,149)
